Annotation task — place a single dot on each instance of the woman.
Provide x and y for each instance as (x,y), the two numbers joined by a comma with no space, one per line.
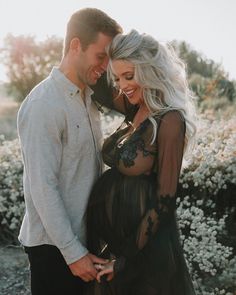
(131,212)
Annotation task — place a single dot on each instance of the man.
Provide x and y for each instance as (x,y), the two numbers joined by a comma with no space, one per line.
(60,135)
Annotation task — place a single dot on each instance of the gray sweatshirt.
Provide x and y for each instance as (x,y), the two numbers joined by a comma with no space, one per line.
(60,139)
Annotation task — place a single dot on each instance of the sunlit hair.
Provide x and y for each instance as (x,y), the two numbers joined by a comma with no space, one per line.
(160,73)
(86,23)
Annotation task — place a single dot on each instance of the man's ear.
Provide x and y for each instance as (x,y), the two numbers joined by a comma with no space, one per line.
(75,44)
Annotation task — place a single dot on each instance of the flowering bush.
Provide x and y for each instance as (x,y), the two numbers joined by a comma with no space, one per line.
(208,206)
(212,264)
(110,122)
(208,176)
(212,166)
(11,190)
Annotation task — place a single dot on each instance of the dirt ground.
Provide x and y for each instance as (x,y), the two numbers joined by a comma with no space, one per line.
(14,271)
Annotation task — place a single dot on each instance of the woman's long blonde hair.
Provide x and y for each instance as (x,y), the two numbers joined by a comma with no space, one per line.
(160,73)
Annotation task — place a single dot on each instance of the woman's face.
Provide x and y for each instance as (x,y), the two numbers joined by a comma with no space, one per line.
(123,72)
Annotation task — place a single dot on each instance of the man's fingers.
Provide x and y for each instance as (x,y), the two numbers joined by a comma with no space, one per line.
(87,277)
(91,274)
(98,260)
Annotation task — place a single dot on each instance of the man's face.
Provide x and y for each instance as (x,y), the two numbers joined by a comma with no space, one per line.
(92,62)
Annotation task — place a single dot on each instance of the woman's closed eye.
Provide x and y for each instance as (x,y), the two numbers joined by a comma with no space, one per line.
(128,77)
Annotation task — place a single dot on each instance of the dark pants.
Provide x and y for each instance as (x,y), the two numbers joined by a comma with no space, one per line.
(50,275)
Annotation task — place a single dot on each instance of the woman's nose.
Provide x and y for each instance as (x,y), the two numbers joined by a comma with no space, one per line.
(122,84)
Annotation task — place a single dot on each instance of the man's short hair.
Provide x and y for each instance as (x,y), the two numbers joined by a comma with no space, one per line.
(86,23)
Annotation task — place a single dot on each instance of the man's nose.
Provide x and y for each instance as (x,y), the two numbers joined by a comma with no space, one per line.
(105,63)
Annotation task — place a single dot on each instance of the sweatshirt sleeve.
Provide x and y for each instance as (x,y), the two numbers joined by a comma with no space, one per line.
(40,128)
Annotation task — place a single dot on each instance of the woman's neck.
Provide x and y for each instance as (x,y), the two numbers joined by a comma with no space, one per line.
(142,114)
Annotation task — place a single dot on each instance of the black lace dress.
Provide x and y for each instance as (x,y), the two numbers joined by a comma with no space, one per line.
(131,211)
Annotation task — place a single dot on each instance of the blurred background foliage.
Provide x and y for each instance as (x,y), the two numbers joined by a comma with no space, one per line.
(207,202)
(28,62)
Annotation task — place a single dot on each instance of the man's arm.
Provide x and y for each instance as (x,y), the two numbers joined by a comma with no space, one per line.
(40,129)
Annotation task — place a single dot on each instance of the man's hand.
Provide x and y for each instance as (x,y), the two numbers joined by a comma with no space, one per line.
(84,267)
(98,260)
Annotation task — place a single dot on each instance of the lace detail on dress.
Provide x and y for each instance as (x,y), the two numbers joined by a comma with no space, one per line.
(126,151)
(150,226)
(165,206)
(161,210)
(161,213)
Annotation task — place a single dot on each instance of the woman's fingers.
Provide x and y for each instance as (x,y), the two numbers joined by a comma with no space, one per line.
(99,266)
(104,272)
(106,269)
(110,276)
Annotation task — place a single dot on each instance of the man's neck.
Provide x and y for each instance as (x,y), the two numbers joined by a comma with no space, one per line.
(70,74)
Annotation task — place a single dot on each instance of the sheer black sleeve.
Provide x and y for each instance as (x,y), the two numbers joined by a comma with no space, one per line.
(170,145)
(107,96)
(103,93)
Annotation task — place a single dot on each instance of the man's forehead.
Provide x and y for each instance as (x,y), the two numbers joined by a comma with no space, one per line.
(102,40)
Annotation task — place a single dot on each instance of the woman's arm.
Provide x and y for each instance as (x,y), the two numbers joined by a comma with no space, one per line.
(170,146)
(109,97)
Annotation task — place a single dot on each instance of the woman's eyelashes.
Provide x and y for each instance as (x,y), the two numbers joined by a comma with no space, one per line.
(130,77)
